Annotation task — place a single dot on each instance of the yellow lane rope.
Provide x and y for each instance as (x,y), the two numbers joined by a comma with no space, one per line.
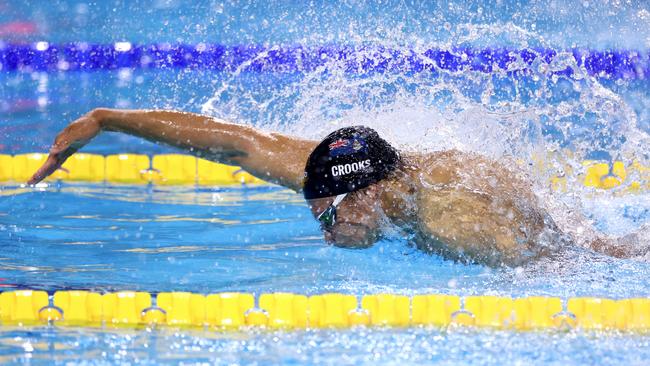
(293,311)
(168,169)
(177,169)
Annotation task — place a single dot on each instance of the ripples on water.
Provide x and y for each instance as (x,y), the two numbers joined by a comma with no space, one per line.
(257,239)
(262,240)
(347,347)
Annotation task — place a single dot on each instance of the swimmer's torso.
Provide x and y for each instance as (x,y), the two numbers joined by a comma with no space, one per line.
(472,209)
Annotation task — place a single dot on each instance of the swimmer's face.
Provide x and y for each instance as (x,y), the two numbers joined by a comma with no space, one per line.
(357,218)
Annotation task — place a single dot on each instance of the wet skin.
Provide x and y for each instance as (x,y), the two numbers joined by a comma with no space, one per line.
(447,211)
(459,205)
(358,219)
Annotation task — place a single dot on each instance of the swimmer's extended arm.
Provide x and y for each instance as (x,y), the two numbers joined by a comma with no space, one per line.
(270,156)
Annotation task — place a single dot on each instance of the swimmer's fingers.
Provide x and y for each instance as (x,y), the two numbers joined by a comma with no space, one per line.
(52,163)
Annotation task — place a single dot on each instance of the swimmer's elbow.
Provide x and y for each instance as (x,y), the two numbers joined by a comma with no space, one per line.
(617,248)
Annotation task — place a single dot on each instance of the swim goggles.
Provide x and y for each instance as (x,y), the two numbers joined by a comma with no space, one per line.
(327,218)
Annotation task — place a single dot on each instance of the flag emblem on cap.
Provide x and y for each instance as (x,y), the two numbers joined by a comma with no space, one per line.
(356,145)
(339,144)
(347,146)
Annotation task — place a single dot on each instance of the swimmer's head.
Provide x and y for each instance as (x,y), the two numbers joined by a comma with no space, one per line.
(340,175)
(348,160)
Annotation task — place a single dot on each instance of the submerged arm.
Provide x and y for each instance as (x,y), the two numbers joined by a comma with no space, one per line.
(270,156)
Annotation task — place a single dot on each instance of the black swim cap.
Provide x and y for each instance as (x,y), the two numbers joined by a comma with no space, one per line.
(347,160)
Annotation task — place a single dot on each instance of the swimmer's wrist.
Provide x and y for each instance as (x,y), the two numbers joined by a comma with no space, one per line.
(101,116)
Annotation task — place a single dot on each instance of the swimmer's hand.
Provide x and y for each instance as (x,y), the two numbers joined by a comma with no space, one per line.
(71,139)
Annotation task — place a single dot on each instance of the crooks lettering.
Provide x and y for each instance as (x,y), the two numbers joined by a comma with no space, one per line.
(350,168)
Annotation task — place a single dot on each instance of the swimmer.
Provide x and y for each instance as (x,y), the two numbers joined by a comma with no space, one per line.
(459,205)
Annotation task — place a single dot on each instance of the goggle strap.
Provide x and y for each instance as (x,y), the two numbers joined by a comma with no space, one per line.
(327,210)
(332,207)
(338,199)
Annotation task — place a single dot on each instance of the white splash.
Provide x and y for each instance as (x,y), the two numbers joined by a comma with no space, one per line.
(548,123)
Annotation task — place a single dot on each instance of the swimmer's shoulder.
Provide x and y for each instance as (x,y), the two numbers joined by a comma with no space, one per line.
(439,157)
(450,167)
(435,167)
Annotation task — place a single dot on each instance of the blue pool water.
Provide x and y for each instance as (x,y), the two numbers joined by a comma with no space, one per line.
(263,239)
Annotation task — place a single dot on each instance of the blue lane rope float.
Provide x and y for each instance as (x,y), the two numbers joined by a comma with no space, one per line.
(43,56)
